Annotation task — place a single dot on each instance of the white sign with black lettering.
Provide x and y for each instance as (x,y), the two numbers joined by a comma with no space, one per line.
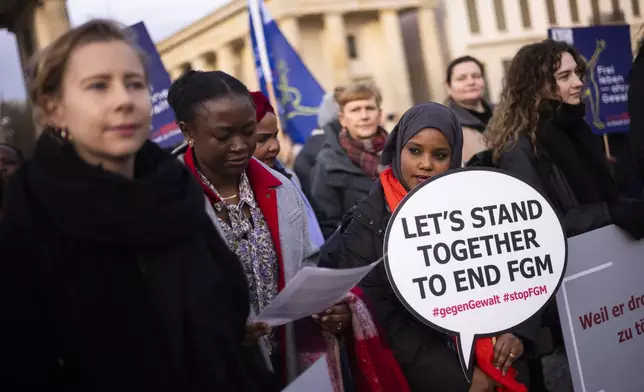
(475,253)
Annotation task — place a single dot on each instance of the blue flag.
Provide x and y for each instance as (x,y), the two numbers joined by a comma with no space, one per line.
(607,52)
(297,92)
(164,130)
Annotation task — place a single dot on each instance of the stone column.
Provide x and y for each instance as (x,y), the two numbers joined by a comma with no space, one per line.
(175,73)
(433,58)
(50,21)
(390,24)
(225,59)
(201,63)
(335,47)
(249,73)
(291,30)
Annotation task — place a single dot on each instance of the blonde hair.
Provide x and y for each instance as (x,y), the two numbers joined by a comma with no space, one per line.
(358,91)
(47,68)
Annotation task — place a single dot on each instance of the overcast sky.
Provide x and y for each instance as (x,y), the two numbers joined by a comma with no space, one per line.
(162,18)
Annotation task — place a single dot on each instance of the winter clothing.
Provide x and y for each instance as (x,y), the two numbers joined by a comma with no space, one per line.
(306,159)
(425,355)
(284,212)
(569,167)
(473,124)
(115,284)
(338,183)
(364,153)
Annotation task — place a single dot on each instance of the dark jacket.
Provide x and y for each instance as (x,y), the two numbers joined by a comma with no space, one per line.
(306,159)
(546,177)
(635,102)
(111,284)
(424,354)
(338,183)
(467,118)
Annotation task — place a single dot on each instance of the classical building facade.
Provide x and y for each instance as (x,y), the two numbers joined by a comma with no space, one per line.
(395,43)
(36,24)
(494,30)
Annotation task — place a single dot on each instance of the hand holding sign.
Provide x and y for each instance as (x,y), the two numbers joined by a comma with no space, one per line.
(474,264)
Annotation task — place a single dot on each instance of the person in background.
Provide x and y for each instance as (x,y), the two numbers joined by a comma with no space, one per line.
(268,147)
(426,142)
(10,160)
(465,87)
(328,124)
(349,161)
(112,278)
(538,132)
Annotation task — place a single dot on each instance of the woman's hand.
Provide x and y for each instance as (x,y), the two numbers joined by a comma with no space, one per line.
(335,319)
(481,382)
(255,331)
(506,350)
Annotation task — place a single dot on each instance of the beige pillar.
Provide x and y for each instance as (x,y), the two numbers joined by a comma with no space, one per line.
(290,27)
(50,21)
(249,73)
(432,55)
(400,86)
(175,73)
(335,47)
(200,63)
(225,59)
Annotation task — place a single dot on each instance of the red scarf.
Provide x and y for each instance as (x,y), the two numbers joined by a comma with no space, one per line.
(483,348)
(373,366)
(364,153)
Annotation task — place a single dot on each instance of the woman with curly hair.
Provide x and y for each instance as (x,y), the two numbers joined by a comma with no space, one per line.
(538,133)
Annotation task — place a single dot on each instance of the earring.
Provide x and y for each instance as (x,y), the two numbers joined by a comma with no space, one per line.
(191,143)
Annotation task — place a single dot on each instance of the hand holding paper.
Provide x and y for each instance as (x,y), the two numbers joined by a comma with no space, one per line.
(312,291)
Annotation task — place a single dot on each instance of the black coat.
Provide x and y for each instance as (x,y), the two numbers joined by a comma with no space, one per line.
(337,182)
(306,160)
(424,354)
(110,284)
(636,114)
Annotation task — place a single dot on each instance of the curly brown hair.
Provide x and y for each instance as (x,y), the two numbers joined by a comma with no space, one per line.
(529,79)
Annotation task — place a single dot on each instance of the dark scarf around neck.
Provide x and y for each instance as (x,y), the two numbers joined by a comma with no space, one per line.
(365,153)
(59,190)
(565,137)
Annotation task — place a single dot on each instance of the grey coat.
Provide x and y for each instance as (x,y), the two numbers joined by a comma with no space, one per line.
(295,244)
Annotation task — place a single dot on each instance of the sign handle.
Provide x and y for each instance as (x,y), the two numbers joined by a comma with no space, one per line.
(607,147)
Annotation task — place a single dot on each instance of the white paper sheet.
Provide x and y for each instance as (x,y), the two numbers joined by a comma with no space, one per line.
(314,379)
(311,291)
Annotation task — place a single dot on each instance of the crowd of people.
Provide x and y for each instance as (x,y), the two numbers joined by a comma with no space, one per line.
(124,267)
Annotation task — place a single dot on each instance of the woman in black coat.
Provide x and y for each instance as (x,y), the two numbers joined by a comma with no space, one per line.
(426,142)
(112,277)
(538,132)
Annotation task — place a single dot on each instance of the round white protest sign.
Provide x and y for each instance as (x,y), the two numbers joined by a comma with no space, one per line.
(474,253)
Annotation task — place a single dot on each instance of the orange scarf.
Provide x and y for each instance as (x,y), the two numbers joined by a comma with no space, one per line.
(484,348)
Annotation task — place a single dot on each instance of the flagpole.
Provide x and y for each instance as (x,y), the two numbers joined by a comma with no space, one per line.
(258,27)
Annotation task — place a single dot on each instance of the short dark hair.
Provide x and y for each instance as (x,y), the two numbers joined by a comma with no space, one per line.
(461,60)
(195,87)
